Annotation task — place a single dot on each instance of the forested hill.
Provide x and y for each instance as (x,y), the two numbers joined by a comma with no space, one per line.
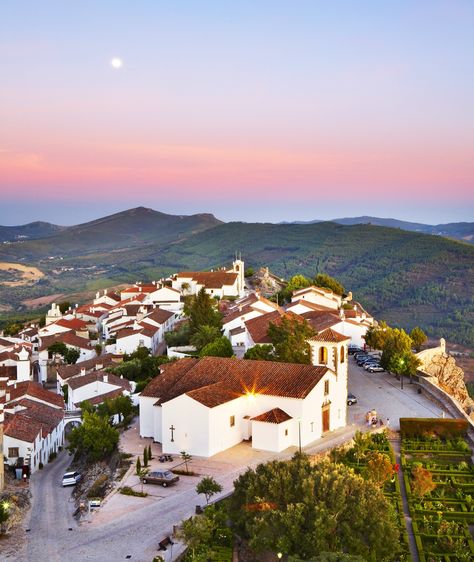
(404,277)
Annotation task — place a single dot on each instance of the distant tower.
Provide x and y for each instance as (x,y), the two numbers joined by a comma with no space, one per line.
(238,267)
(23,366)
(53,314)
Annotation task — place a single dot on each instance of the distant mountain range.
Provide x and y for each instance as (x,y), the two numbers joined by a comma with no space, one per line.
(408,278)
(459,230)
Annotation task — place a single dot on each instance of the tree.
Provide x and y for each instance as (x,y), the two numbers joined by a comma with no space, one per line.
(98,349)
(150,455)
(376,335)
(204,335)
(260,352)
(145,457)
(379,468)
(64,306)
(331,557)
(418,338)
(289,338)
(179,336)
(186,458)
(196,532)
(328,282)
(218,348)
(65,390)
(249,272)
(312,508)
(202,311)
(72,355)
(57,348)
(397,356)
(422,481)
(94,438)
(138,466)
(208,486)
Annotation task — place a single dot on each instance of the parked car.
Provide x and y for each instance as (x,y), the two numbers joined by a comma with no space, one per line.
(368,364)
(351,399)
(353,349)
(360,354)
(163,477)
(364,360)
(71,478)
(375,369)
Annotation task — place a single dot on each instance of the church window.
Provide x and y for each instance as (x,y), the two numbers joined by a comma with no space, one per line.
(326,388)
(323,355)
(232,421)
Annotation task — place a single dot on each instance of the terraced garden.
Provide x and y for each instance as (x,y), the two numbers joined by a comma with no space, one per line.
(358,458)
(439,479)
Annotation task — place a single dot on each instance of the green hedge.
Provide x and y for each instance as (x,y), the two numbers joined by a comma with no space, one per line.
(440,427)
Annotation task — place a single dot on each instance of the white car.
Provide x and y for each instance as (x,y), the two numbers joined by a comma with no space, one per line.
(71,478)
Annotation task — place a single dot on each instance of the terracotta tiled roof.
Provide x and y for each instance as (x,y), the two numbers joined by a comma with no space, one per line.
(22,427)
(258,327)
(6,343)
(148,288)
(78,382)
(210,279)
(320,320)
(236,331)
(231,378)
(314,289)
(159,315)
(237,314)
(48,416)
(330,335)
(35,390)
(8,371)
(68,371)
(68,338)
(73,324)
(273,416)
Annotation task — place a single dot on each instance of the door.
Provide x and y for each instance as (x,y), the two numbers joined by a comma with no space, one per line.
(325,418)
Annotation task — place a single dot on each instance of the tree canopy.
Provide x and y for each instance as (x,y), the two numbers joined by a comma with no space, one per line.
(204,335)
(326,281)
(303,510)
(289,339)
(94,438)
(202,311)
(260,352)
(218,348)
(69,354)
(418,337)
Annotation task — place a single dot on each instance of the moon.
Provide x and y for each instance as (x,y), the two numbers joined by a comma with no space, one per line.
(116,63)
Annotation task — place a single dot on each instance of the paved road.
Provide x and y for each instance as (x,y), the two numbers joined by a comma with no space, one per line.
(135,535)
(382,392)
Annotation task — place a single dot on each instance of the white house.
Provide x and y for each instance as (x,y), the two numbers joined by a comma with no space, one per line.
(34,424)
(318,295)
(71,341)
(95,387)
(220,283)
(17,363)
(204,406)
(149,332)
(166,298)
(242,310)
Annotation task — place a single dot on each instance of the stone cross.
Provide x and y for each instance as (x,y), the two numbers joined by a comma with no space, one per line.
(172,429)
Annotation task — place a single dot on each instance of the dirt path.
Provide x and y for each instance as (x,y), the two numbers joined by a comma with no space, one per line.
(396,445)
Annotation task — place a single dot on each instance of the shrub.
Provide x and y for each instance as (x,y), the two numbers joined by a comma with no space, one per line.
(40,466)
(99,487)
(127,491)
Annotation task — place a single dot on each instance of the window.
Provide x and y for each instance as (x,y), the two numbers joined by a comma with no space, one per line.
(323,355)
(13,452)
(232,421)
(286,433)
(326,388)
(343,354)
(312,426)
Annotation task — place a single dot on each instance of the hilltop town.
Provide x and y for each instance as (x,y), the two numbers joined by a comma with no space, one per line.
(226,367)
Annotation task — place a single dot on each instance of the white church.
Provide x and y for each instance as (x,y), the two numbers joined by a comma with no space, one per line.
(204,406)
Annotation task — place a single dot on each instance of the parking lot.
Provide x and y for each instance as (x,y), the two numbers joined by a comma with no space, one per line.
(382,392)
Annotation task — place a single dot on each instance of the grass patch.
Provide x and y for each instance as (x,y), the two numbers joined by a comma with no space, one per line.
(127,491)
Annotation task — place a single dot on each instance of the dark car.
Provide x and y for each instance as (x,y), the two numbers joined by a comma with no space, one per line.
(163,477)
(351,399)
(353,349)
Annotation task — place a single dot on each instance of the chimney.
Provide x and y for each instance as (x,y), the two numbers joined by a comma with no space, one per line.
(83,372)
(105,377)
(105,291)
(7,395)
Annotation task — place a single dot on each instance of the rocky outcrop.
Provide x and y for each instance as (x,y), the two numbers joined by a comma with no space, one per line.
(266,282)
(442,368)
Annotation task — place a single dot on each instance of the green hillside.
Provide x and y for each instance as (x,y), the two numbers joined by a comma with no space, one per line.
(404,277)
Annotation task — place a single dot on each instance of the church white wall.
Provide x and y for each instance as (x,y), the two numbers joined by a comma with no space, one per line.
(355,332)
(147,416)
(222,434)
(192,429)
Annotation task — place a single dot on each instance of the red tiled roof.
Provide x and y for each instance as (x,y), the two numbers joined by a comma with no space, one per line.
(273,416)
(140,289)
(48,416)
(229,378)
(22,427)
(68,338)
(35,390)
(159,315)
(73,324)
(8,371)
(78,382)
(330,335)
(68,371)
(258,327)
(320,320)
(237,314)
(210,279)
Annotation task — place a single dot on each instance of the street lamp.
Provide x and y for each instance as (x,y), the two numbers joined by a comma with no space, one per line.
(401,363)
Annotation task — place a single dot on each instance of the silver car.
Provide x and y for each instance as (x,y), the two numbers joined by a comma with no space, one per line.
(71,478)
